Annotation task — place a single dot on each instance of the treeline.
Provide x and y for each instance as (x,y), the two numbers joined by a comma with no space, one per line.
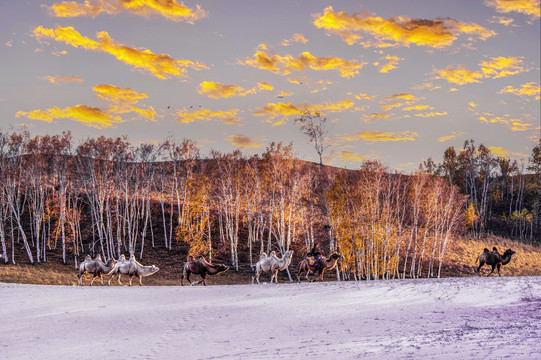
(504,196)
(109,196)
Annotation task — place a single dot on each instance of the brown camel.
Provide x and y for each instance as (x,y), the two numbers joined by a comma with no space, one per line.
(494,259)
(200,267)
(95,267)
(319,267)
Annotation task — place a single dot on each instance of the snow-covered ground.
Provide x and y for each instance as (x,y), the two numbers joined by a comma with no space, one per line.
(454,318)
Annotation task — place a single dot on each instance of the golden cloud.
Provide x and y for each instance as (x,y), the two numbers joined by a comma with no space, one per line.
(526,7)
(123,101)
(362,96)
(499,67)
(391,64)
(389,106)
(513,123)
(162,66)
(451,137)
(296,38)
(376,136)
(418,107)
(432,114)
(229,117)
(57,79)
(374,117)
(284,65)
(216,90)
(458,75)
(396,31)
(401,96)
(283,110)
(169,9)
(348,156)
(501,152)
(90,116)
(243,141)
(528,89)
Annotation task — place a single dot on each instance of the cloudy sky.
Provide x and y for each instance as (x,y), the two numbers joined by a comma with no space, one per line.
(398,80)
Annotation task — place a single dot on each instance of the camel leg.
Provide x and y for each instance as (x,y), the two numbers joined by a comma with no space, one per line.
(493,267)
(110,277)
(131,278)
(119,283)
(141,280)
(479,268)
(92,281)
(499,265)
(101,280)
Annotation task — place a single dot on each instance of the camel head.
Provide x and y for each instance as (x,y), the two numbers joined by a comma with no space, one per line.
(221,268)
(509,252)
(149,270)
(336,256)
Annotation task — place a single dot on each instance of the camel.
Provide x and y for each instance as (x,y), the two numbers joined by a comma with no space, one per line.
(494,259)
(131,268)
(96,267)
(272,264)
(200,267)
(318,267)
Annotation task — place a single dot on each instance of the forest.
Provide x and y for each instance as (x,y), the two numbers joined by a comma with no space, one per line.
(108,196)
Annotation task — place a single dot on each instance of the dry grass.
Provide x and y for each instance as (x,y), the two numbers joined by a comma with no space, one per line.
(464,252)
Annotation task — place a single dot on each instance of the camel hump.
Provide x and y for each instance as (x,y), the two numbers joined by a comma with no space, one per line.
(486,250)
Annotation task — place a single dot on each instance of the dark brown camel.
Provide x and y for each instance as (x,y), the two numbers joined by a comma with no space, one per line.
(318,267)
(494,259)
(200,267)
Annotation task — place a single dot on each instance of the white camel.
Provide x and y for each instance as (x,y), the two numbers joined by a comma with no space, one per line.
(272,264)
(131,268)
(94,267)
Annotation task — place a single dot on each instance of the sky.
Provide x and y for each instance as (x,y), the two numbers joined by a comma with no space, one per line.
(397,80)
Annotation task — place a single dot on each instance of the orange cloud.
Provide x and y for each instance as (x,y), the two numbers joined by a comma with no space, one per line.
(284,65)
(391,64)
(169,9)
(389,106)
(216,90)
(526,7)
(499,67)
(418,107)
(528,89)
(512,123)
(501,152)
(362,96)
(123,101)
(348,156)
(229,117)
(374,117)
(451,137)
(162,66)
(458,75)
(296,38)
(396,31)
(401,96)
(243,141)
(283,110)
(57,79)
(432,114)
(90,116)
(377,136)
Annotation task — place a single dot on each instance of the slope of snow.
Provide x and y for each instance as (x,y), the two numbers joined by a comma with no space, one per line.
(454,318)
